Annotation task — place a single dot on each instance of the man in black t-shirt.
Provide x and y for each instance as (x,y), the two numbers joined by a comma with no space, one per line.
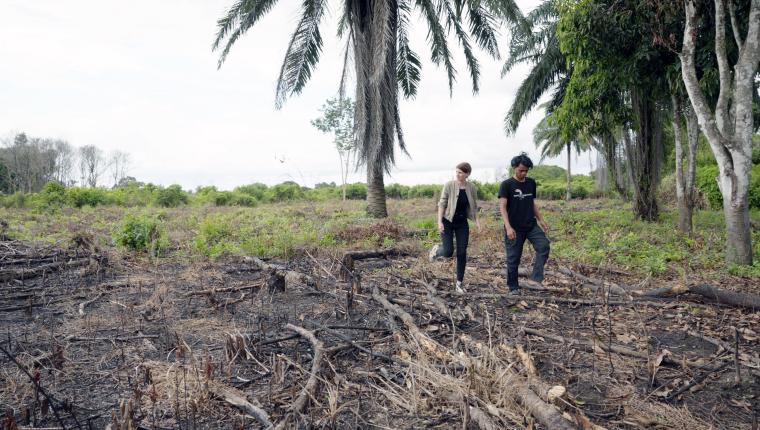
(521,219)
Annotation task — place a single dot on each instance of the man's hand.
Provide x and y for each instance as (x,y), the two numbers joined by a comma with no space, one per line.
(477,225)
(544,226)
(440,226)
(511,234)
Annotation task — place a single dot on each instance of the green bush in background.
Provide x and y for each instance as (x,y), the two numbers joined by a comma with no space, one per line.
(171,196)
(141,233)
(708,186)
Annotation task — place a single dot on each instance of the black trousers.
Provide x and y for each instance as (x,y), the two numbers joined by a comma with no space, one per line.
(461,229)
(514,249)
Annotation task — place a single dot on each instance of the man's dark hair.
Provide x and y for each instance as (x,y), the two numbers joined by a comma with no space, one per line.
(522,159)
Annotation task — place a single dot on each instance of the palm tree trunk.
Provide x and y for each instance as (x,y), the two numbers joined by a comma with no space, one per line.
(376,206)
(568,194)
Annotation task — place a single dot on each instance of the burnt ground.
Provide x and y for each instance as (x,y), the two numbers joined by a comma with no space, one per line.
(156,344)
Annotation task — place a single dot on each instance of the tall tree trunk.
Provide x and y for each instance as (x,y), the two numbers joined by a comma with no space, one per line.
(685,204)
(568,193)
(729,127)
(376,192)
(643,160)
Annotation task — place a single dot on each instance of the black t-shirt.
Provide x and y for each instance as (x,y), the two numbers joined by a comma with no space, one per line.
(520,196)
(460,213)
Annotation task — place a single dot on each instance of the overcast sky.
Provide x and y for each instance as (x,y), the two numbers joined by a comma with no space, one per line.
(140,77)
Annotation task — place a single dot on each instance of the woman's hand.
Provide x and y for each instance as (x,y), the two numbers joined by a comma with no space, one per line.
(477,225)
(440,226)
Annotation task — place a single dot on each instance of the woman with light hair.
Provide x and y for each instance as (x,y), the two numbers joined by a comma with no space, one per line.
(458,203)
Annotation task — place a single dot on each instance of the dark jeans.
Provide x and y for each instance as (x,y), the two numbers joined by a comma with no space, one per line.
(461,229)
(514,250)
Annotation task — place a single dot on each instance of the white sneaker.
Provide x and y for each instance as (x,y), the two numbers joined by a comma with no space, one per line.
(433,252)
(459,288)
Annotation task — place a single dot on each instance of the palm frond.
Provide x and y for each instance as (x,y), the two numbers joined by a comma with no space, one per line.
(382,35)
(530,47)
(302,53)
(510,12)
(346,62)
(241,16)
(541,78)
(482,27)
(439,49)
(408,65)
(544,13)
(469,56)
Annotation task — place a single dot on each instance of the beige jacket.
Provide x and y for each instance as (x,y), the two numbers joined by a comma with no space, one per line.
(449,196)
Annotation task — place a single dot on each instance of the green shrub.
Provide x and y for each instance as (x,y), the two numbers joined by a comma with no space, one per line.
(257,191)
(171,196)
(240,199)
(286,191)
(53,195)
(214,234)
(357,191)
(141,233)
(16,200)
(424,190)
(396,191)
(80,197)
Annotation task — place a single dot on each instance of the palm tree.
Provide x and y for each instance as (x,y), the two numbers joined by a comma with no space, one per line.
(377,34)
(547,137)
(539,47)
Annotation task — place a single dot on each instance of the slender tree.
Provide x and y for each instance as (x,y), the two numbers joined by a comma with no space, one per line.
(338,118)
(728,125)
(377,36)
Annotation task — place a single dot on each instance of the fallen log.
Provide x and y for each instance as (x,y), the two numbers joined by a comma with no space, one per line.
(237,398)
(349,258)
(21,274)
(316,363)
(724,297)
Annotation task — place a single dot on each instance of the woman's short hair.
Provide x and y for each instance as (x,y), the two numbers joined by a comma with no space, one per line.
(465,167)
(522,159)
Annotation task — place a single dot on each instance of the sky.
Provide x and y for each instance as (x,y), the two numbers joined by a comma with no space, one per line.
(140,77)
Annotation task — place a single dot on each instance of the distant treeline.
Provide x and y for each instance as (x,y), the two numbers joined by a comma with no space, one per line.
(136,194)
(27,163)
(131,193)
